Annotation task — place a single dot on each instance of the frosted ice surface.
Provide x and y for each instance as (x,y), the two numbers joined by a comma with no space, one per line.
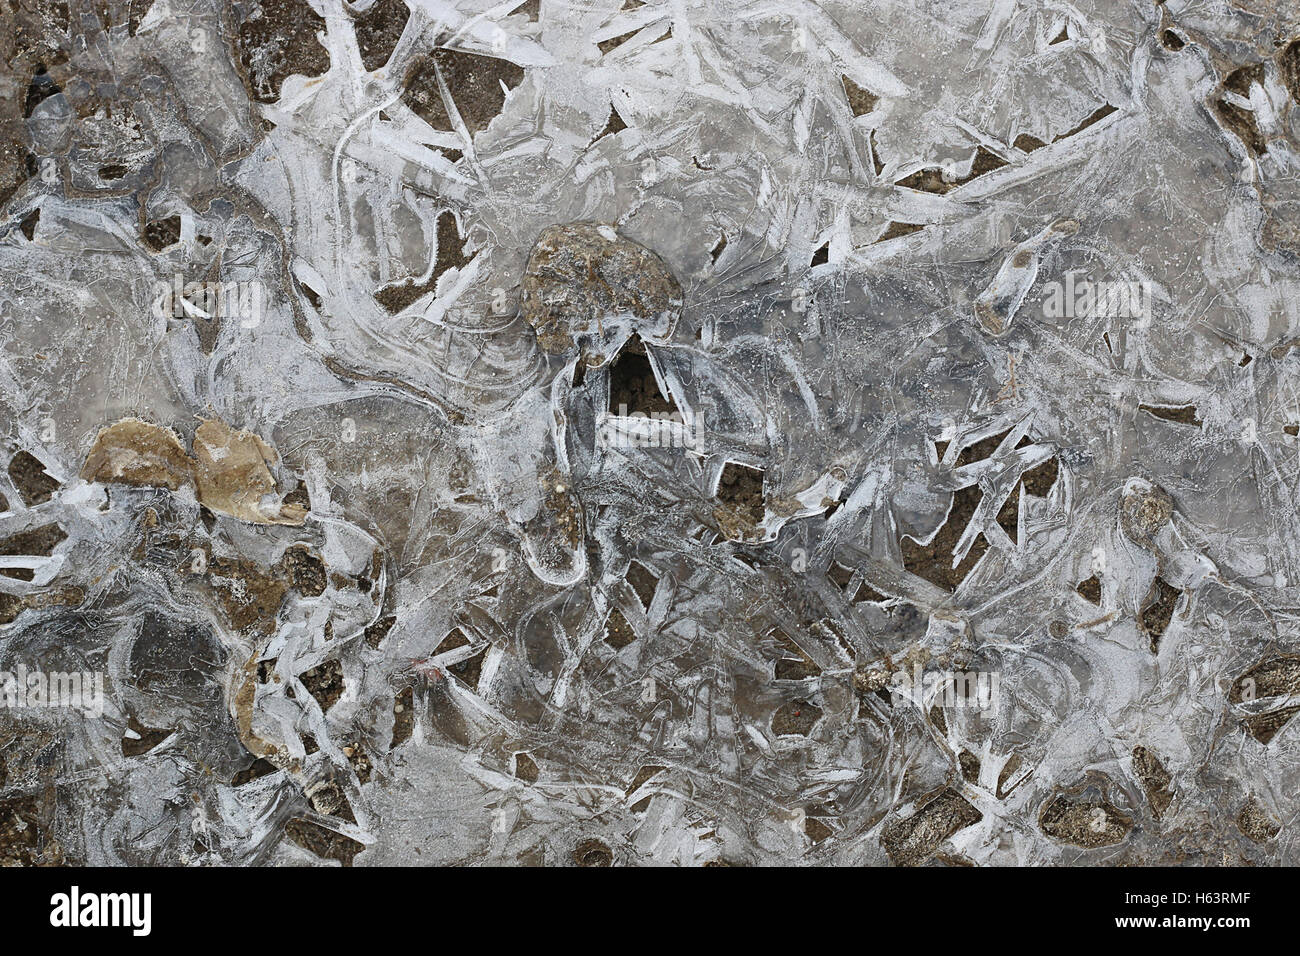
(859,431)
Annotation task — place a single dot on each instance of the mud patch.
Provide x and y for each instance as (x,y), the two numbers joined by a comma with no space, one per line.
(914,840)
(276,40)
(451,255)
(378,30)
(632,385)
(795,718)
(618,632)
(740,494)
(325,683)
(861,102)
(325,843)
(593,853)
(35,542)
(35,485)
(1084,819)
(475,84)
(1158,611)
(1256,823)
(1155,779)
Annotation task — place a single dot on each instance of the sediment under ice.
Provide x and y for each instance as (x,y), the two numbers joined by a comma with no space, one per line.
(741,432)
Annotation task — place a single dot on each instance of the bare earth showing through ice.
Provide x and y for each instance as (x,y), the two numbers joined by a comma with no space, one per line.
(617,433)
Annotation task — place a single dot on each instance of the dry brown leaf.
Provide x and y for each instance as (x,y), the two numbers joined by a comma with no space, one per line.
(234,477)
(135,452)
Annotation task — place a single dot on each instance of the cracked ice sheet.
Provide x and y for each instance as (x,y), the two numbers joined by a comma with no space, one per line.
(518,625)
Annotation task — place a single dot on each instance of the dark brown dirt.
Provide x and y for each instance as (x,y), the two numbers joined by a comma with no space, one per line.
(36,542)
(34,484)
(324,843)
(912,841)
(606,45)
(161,233)
(1264,727)
(277,41)
(14,167)
(933,561)
(11,605)
(618,632)
(1086,820)
(632,385)
(861,101)
(1038,481)
(25,825)
(795,718)
(719,248)
(403,716)
(791,668)
(938,719)
(1008,771)
(34,41)
(614,126)
(259,768)
(526,768)
(1090,589)
(359,760)
(1009,515)
(249,595)
(1096,116)
(740,489)
(1257,823)
(305,571)
(1288,63)
(979,451)
(643,582)
(325,683)
(378,30)
(474,81)
(1028,143)
(32,33)
(1274,677)
(1241,123)
(28,226)
(468,670)
(642,777)
(1155,780)
(1241,79)
(149,737)
(932,181)
(375,633)
(897,229)
(970,766)
(866,592)
(816,830)
(1183,414)
(395,298)
(593,853)
(1158,611)
(41,88)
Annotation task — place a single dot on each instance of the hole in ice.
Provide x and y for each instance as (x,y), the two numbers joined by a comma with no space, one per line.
(632,384)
